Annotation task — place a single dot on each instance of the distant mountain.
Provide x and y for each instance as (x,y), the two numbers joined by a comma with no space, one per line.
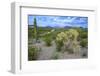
(67,26)
(31,26)
(50,26)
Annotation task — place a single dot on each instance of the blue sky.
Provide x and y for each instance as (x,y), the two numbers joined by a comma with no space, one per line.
(59,21)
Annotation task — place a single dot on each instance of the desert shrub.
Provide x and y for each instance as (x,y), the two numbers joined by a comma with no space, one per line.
(59,45)
(55,55)
(84,43)
(30,33)
(83,33)
(32,53)
(48,39)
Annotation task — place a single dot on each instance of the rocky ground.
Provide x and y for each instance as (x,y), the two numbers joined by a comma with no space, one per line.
(49,52)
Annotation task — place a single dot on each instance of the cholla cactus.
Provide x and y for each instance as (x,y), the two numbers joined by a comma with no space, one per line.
(73,34)
(68,39)
(73,40)
(62,36)
(59,41)
(76,47)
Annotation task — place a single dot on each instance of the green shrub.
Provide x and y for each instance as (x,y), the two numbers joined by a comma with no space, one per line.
(84,43)
(55,55)
(32,53)
(48,40)
(59,45)
(30,33)
(83,33)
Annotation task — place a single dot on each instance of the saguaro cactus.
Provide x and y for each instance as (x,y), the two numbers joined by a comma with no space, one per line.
(35,29)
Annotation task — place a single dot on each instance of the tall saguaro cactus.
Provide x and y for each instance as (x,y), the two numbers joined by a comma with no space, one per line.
(35,29)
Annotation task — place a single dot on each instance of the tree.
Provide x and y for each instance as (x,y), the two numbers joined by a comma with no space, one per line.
(35,29)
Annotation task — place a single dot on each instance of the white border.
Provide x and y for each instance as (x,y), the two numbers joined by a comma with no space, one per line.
(18,65)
